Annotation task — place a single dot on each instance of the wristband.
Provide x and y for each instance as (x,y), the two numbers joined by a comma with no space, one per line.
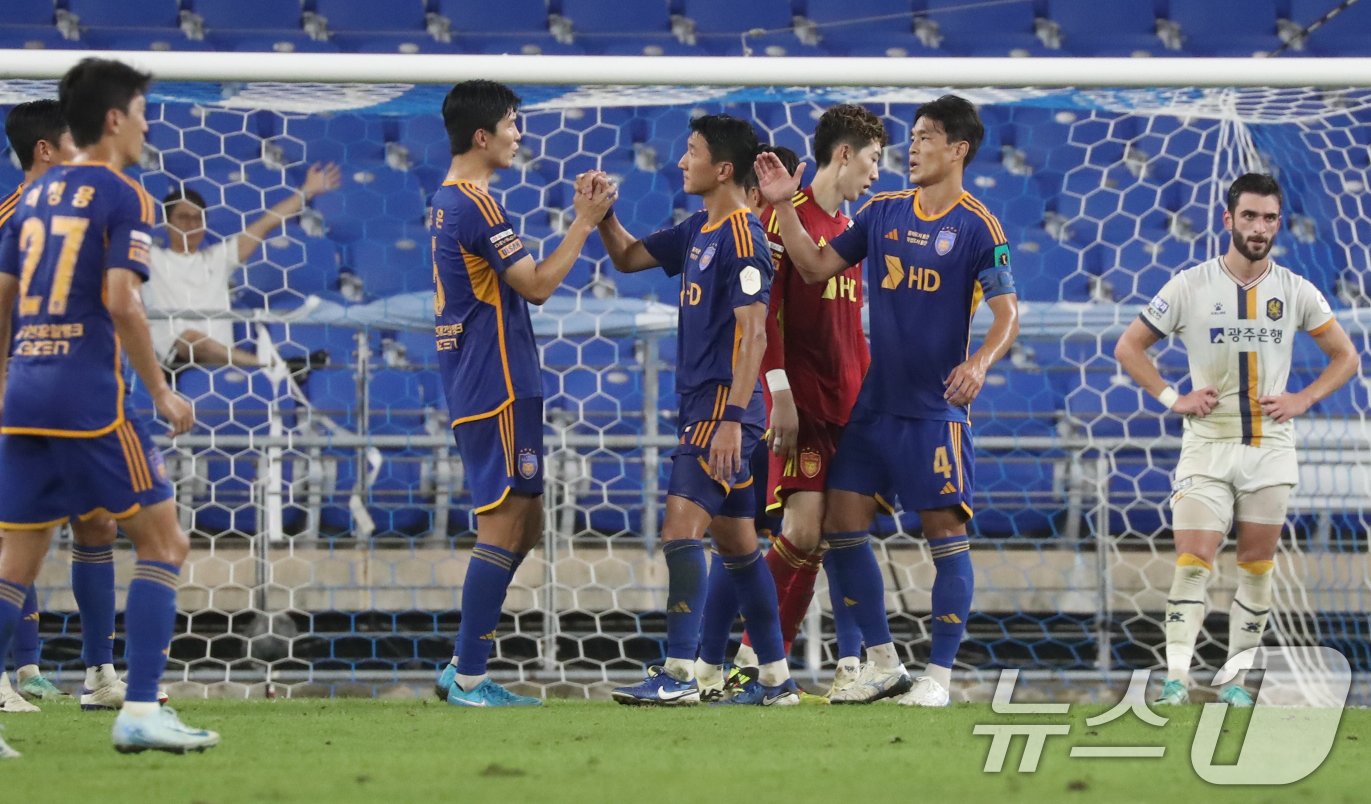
(1168,397)
(776,381)
(733,413)
(609,214)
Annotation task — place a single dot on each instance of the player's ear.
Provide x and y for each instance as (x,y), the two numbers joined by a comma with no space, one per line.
(725,171)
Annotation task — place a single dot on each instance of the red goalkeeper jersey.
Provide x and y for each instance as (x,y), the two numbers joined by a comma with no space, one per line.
(814,332)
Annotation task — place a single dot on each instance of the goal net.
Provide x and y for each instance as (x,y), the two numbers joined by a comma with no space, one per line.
(330,523)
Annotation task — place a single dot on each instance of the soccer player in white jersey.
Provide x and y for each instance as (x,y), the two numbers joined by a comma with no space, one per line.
(1237,315)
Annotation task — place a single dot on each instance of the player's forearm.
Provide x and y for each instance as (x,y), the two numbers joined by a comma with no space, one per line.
(1004,330)
(618,242)
(1342,366)
(273,218)
(747,367)
(804,253)
(549,274)
(131,325)
(1140,367)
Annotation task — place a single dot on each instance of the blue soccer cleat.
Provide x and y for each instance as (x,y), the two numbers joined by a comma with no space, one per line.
(659,689)
(1236,696)
(447,679)
(488,694)
(753,693)
(161,730)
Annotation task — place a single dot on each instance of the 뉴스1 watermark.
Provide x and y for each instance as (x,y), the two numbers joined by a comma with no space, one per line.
(1290,733)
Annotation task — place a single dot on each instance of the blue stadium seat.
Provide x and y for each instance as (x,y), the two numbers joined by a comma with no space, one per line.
(360,16)
(146,39)
(731,17)
(1139,494)
(284,42)
(648,17)
(287,269)
(28,12)
(1106,27)
(474,16)
(1347,34)
(886,24)
(30,37)
(143,14)
(1226,27)
(249,15)
(985,30)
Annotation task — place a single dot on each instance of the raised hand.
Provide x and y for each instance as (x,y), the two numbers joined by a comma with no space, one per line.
(322,177)
(595,194)
(775,184)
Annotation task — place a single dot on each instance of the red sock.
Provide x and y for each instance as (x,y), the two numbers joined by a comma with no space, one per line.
(786,563)
(794,602)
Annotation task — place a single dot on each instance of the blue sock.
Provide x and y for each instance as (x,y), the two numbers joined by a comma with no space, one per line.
(848,635)
(92,584)
(685,597)
(863,587)
(721,610)
(149,618)
(483,595)
(25,644)
(952,589)
(757,601)
(11,609)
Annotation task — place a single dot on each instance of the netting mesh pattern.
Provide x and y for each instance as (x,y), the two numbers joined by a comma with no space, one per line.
(330,524)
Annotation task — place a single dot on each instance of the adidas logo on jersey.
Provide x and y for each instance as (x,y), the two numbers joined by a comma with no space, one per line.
(948,488)
(893,234)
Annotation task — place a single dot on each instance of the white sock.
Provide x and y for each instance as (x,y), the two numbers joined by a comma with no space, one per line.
(709,675)
(940,674)
(469,683)
(773,673)
(746,657)
(1250,610)
(453,662)
(100,676)
(25,673)
(680,669)
(850,664)
(1185,614)
(883,656)
(140,708)
(5,681)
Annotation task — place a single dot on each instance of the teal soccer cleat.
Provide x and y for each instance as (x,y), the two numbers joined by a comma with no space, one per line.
(447,679)
(488,694)
(161,730)
(752,693)
(1236,696)
(1174,693)
(37,688)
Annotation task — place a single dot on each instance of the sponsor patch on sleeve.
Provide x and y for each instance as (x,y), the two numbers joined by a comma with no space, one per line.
(501,237)
(750,279)
(1157,307)
(509,248)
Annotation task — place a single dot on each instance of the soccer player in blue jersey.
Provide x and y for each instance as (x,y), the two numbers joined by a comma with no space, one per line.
(932,254)
(484,280)
(71,267)
(38,134)
(721,255)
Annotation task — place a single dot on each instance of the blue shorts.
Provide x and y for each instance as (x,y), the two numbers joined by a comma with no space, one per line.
(503,454)
(924,464)
(45,480)
(690,464)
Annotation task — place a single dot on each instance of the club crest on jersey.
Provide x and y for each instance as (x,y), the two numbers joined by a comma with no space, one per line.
(1275,308)
(708,256)
(528,464)
(810,463)
(944,241)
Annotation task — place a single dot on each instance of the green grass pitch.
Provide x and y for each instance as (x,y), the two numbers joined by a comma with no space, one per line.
(399,751)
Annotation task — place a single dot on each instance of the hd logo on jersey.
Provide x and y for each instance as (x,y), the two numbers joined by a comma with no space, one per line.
(1275,308)
(528,464)
(944,241)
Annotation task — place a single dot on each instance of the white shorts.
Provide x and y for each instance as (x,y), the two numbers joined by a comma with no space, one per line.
(1225,476)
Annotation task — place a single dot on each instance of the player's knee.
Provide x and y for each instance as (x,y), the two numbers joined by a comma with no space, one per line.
(804,535)
(98,532)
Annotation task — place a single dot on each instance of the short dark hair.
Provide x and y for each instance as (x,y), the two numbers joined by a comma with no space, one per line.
(473,106)
(789,160)
(959,119)
(1258,183)
(846,124)
(730,140)
(30,122)
(183,194)
(90,89)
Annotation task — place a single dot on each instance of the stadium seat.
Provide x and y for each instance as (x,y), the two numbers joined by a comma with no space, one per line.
(28,12)
(475,17)
(985,30)
(248,15)
(1106,27)
(1347,34)
(731,17)
(1226,27)
(142,14)
(359,16)
(648,18)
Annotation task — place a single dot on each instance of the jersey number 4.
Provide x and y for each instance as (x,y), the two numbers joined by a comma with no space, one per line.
(32,239)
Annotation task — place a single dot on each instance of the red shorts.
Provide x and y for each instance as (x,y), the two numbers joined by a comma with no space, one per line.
(808,471)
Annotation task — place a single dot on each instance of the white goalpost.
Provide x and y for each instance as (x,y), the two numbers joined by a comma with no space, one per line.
(330,524)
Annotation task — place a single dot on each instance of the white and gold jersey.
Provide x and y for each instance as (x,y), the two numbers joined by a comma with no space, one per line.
(1238,338)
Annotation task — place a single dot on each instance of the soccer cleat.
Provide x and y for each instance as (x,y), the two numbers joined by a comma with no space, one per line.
(753,693)
(107,696)
(488,694)
(842,679)
(926,692)
(738,679)
(446,679)
(5,751)
(873,684)
(1174,693)
(38,688)
(1236,696)
(659,688)
(161,730)
(810,699)
(12,702)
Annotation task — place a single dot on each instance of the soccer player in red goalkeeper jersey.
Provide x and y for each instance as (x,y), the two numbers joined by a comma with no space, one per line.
(815,360)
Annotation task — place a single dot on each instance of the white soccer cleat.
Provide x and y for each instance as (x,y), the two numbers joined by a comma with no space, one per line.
(106,697)
(5,751)
(11,702)
(842,679)
(873,684)
(926,692)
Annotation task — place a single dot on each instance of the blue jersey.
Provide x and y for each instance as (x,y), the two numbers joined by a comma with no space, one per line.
(482,330)
(79,221)
(722,267)
(925,277)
